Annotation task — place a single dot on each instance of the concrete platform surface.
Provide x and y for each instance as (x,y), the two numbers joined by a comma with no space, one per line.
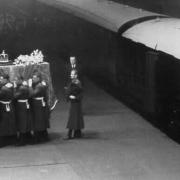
(117,144)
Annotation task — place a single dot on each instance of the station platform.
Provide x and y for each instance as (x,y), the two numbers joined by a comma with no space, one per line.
(117,144)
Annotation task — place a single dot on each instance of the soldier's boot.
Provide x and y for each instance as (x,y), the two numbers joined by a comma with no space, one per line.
(35,137)
(70,134)
(79,134)
(29,138)
(44,136)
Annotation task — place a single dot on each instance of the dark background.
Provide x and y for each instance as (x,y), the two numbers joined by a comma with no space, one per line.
(168,7)
(119,66)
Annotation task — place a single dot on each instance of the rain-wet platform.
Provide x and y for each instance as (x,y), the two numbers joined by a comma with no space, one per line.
(117,144)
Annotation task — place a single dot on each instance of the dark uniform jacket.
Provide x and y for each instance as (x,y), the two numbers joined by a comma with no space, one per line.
(40,108)
(7,112)
(22,106)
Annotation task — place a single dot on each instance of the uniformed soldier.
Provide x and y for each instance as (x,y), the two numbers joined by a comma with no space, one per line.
(7,112)
(40,108)
(23,112)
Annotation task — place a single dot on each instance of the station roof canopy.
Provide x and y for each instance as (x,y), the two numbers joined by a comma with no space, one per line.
(161,34)
(108,14)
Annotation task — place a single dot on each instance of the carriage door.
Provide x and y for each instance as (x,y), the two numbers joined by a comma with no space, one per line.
(150,80)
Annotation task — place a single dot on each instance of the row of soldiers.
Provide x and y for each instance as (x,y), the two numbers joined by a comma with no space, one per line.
(24,111)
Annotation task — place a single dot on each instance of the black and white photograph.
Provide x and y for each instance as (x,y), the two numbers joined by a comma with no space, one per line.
(89,90)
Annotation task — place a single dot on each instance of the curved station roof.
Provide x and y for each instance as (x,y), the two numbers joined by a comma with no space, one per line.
(151,29)
(108,14)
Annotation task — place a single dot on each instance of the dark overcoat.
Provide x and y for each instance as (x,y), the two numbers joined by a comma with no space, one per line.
(23,111)
(75,120)
(7,112)
(40,108)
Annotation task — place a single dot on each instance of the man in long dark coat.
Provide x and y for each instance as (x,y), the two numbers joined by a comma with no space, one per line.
(74,93)
(73,64)
(40,108)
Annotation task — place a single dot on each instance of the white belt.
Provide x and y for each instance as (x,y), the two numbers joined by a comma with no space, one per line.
(24,101)
(42,100)
(7,103)
(54,105)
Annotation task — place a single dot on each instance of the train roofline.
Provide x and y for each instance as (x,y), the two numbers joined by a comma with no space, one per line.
(107,14)
(127,21)
(161,34)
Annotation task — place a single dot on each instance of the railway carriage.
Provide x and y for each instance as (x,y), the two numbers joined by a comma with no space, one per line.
(138,55)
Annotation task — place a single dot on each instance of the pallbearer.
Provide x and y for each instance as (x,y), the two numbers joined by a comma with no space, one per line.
(23,112)
(40,108)
(7,115)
